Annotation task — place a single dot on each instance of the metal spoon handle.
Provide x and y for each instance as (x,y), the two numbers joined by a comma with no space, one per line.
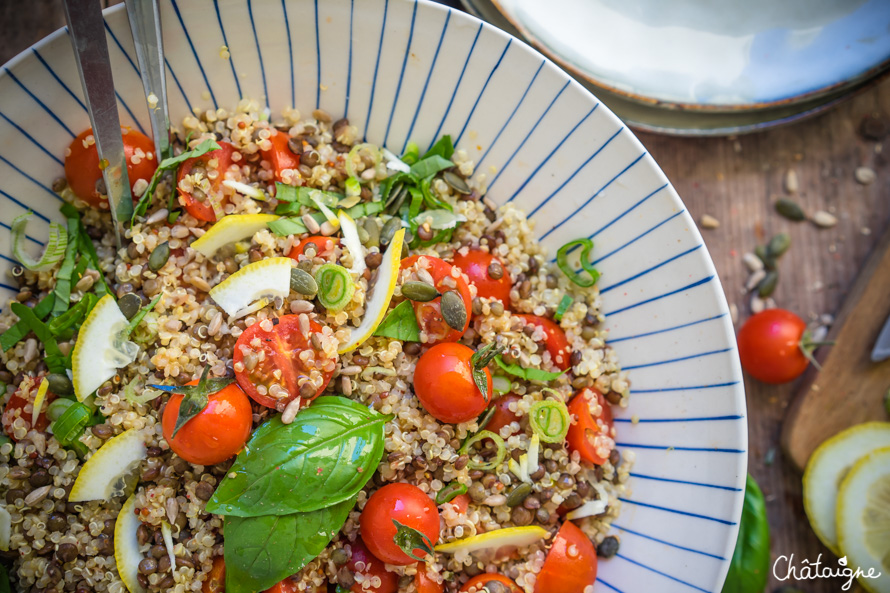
(87,29)
(145,23)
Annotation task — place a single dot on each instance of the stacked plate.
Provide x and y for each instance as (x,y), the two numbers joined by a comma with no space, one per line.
(690,67)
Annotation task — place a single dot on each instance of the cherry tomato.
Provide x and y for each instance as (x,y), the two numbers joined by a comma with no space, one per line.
(591,434)
(476,265)
(280,156)
(196,203)
(372,567)
(477,583)
(570,565)
(21,405)
(323,246)
(279,375)
(217,433)
(285,586)
(407,504)
(502,414)
(555,340)
(216,579)
(82,164)
(443,382)
(424,583)
(771,346)
(429,315)
(461,503)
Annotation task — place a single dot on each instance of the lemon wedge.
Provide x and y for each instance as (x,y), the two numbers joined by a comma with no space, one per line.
(109,472)
(352,242)
(381,294)
(269,277)
(827,468)
(101,348)
(863,519)
(5,528)
(126,546)
(497,542)
(229,229)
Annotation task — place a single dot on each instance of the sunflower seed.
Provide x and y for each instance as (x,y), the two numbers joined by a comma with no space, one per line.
(865,175)
(302,282)
(420,292)
(754,280)
(757,304)
(768,285)
(709,222)
(454,312)
(789,209)
(824,219)
(456,183)
(778,245)
(791,184)
(311,224)
(171,506)
(752,262)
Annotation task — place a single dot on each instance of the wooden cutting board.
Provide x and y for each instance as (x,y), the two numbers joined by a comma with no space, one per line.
(850,388)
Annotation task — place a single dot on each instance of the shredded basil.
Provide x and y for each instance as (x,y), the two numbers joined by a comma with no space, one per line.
(412,153)
(17,332)
(400,323)
(73,316)
(443,148)
(429,166)
(55,360)
(528,374)
(63,278)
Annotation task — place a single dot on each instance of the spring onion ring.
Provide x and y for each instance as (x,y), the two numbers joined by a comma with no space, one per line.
(562,257)
(450,492)
(55,410)
(55,244)
(350,158)
(71,423)
(550,420)
(335,286)
(499,456)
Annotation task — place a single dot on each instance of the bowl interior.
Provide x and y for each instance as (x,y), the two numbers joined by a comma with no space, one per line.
(400,70)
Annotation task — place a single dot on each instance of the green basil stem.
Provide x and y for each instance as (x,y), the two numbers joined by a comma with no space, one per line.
(550,420)
(562,257)
(500,454)
(450,492)
(335,286)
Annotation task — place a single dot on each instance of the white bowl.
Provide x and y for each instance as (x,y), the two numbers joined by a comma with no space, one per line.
(401,69)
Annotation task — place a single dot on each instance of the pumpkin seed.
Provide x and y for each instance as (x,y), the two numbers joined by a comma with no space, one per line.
(790,210)
(389,230)
(420,292)
(454,312)
(363,235)
(519,494)
(768,285)
(456,183)
(768,261)
(302,282)
(778,245)
(393,195)
(129,304)
(373,230)
(60,384)
(159,256)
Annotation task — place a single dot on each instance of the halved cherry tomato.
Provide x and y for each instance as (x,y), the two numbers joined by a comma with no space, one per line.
(323,246)
(555,340)
(21,405)
(82,164)
(476,264)
(571,563)
(461,503)
(279,375)
(502,414)
(217,433)
(591,434)
(407,504)
(196,203)
(216,579)
(372,567)
(285,586)
(772,345)
(477,583)
(424,583)
(443,382)
(429,315)
(280,156)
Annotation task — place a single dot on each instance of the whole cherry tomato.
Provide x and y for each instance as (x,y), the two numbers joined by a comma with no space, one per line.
(280,156)
(216,433)
(774,346)
(570,565)
(21,405)
(478,582)
(82,163)
(371,567)
(410,506)
(443,382)
(590,434)
(216,579)
(424,583)
(502,414)
(429,315)
(281,374)
(323,246)
(487,273)
(555,340)
(197,201)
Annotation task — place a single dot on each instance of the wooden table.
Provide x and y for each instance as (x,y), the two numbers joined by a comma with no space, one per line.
(736,181)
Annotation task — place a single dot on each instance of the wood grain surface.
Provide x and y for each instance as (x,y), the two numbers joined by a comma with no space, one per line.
(736,181)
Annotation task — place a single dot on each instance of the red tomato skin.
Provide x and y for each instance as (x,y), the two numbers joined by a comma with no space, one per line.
(203,210)
(15,408)
(577,436)
(280,156)
(373,567)
(407,504)
(475,265)
(216,579)
(443,382)
(461,503)
(427,584)
(477,582)
(429,315)
(769,346)
(323,246)
(82,164)
(502,414)
(568,570)
(217,433)
(555,341)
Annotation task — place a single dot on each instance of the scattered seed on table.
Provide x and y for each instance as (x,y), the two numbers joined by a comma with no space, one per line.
(752,262)
(709,222)
(789,209)
(865,175)
(824,219)
(768,285)
(778,245)
(791,184)
(755,279)
(757,304)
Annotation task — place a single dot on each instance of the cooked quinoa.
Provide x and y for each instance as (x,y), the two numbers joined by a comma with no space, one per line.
(56,545)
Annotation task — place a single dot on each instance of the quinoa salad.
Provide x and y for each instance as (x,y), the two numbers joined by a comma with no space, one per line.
(310,365)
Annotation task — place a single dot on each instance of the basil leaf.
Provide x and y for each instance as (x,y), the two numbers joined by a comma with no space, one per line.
(262,551)
(303,195)
(400,323)
(430,165)
(325,456)
(528,374)
(749,567)
(4,580)
(443,147)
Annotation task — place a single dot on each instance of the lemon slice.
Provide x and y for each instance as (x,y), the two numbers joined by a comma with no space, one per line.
(863,519)
(827,468)
(101,348)
(498,541)
(38,400)
(231,228)
(381,294)
(109,472)
(126,546)
(269,277)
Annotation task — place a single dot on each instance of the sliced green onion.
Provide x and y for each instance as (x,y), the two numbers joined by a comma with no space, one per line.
(58,407)
(564,305)
(499,456)
(328,213)
(350,158)
(55,244)
(500,384)
(353,187)
(335,286)
(412,153)
(562,257)
(450,492)
(550,420)
(71,423)
(147,394)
